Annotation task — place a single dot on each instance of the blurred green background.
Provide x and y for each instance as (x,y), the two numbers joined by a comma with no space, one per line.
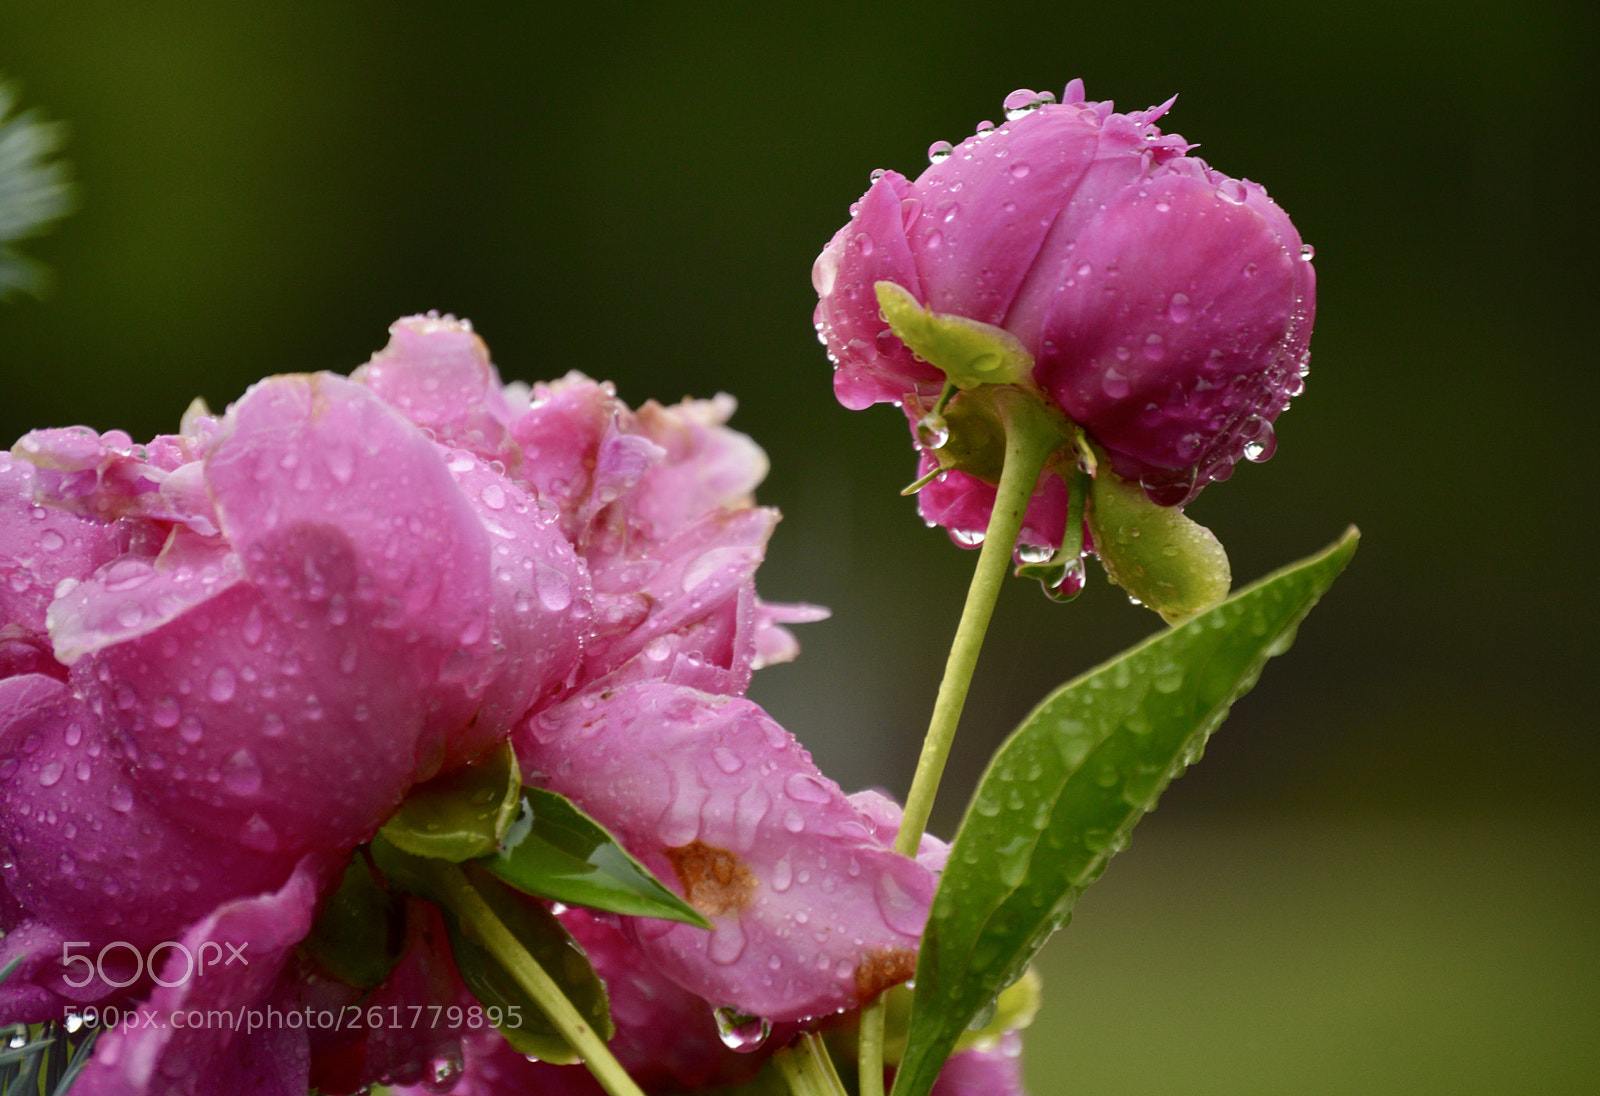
(1383,878)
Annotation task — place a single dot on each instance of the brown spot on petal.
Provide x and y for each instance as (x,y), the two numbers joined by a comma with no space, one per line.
(714,880)
(883,968)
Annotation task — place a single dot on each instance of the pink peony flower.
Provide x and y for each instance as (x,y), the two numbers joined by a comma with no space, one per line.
(230,653)
(1166,306)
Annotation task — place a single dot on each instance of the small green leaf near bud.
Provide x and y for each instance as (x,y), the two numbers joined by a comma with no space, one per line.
(463,814)
(1171,564)
(970,353)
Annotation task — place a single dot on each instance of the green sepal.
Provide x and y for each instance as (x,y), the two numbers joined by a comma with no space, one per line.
(463,814)
(554,850)
(1164,560)
(537,932)
(360,931)
(1062,794)
(968,352)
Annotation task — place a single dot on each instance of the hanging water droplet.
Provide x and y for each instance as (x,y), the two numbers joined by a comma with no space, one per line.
(967,538)
(932,431)
(1307,253)
(1263,441)
(1033,553)
(740,1031)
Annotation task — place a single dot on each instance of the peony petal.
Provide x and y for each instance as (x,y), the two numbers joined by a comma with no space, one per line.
(813,913)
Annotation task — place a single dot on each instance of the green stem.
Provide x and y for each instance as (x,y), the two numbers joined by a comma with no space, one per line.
(1031,436)
(808,1069)
(471,909)
(869,1055)
(1030,439)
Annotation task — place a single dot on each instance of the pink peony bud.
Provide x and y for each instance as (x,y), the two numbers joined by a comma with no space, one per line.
(1167,307)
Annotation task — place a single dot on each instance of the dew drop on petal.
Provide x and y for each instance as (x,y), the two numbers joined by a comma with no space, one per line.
(222,685)
(939,151)
(241,773)
(1178,310)
(727,943)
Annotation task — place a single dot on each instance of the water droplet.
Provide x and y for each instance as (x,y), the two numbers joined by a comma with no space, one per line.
(727,760)
(1178,310)
(443,1073)
(1114,384)
(52,541)
(1155,347)
(1033,553)
(125,574)
(900,911)
(51,773)
(740,1031)
(121,798)
(1307,253)
(932,432)
(1169,487)
(1022,101)
(553,588)
(967,538)
(222,685)
(985,128)
(727,943)
(1019,170)
(805,788)
(1232,190)
(164,712)
(1261,441)
(863,243)
(939,151)
(934,241)
(241,773)
(129,614)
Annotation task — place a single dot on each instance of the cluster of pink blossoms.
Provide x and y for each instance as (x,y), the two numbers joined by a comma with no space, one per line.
(228,655)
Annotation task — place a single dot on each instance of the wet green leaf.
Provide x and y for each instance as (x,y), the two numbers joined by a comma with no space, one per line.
(492,982)
(360,930)
(556,851)
(1061,795)
(461,815)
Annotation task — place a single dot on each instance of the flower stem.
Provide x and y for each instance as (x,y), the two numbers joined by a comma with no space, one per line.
(1030,439)
(470,908)
(808,1069)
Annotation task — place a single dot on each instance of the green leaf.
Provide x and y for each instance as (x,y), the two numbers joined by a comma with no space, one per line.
(556,851)
(1063,792)
(970,353)
(461,815)
(360,930)
(537,932)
